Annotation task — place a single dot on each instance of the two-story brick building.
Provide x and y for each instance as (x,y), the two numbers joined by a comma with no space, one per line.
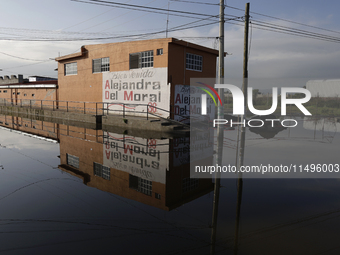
(135,72)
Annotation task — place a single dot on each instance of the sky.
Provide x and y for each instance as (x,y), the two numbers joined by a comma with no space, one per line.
(65,25)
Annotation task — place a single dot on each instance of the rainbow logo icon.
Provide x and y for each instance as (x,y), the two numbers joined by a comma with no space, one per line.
(209,93)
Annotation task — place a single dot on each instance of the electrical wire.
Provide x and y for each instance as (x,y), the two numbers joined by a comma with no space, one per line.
(22,57)
(193,2)
(104,38)
(144,8)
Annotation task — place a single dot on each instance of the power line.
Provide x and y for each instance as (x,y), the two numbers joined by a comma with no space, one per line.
(296,32)
(21,57)
(142,8)
(286,20)
(289,30)
(193,2)
(116,17)
(294,29)
(104,38)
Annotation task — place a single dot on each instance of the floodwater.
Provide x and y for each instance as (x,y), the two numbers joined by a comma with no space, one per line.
(72,190)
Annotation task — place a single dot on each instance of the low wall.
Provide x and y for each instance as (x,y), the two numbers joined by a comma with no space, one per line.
(95,121)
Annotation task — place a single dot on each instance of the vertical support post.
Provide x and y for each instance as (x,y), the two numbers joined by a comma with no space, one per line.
(96,108)
(66,106)
(41,102)
(124,111)
(84,108)
(220,130)
(147,112)
(243,128)
(245,81)
(53,105)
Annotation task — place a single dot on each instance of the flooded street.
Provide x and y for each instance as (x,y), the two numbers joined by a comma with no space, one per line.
(71,190)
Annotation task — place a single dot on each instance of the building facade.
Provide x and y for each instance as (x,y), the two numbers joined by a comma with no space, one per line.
(135,72)
(19,91)
(324,88)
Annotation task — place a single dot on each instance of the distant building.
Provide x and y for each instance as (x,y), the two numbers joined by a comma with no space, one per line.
(324,88)
(135,72)
(17,90)
(41,78)
(13,79)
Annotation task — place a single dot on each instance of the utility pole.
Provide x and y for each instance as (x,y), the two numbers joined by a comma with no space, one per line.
(243,128)
(220,130)
(245,82)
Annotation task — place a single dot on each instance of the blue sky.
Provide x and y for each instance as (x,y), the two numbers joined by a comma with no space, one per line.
(272,55)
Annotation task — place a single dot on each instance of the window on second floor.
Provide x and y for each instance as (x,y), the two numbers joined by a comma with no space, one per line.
(70,68)
(100,65)
(194,62)
(141,59)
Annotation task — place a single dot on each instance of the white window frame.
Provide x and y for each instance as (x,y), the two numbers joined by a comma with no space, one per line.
(101,65)
(145,59)
(71,68)
(72,160)
(101,171)
(194,62)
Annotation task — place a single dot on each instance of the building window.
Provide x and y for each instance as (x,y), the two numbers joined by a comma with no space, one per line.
(159,51)
(100,65)
(194,62)
(72,160)
(189,184)
(101,171)
(141,185)
(141,59)
(18,93)
(33,95)
(5,91)
(25,95)
(71,68)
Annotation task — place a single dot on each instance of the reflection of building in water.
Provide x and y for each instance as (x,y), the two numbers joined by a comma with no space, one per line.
(268,129)
(30,126)
(152,171)
(136,168)
(328,127)
(322,124)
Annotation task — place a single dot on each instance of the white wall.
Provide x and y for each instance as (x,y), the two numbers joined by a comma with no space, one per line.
(324,88)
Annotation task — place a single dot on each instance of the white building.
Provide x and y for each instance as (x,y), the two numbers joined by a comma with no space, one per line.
(324,88)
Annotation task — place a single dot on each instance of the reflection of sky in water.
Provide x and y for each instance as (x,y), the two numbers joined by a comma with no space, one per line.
(298,145)
(47,211)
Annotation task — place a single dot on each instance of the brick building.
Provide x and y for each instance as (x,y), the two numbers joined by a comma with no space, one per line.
(151,171)
(31,91)
(135,72)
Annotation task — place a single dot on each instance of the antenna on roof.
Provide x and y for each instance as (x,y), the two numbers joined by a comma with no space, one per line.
(167,21)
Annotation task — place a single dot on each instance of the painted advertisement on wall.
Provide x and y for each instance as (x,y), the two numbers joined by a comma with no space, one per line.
(187,103)
(141,157)
(137,91)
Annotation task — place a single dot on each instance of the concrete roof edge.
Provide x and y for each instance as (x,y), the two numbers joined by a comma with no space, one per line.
(195,46)
(74,55)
